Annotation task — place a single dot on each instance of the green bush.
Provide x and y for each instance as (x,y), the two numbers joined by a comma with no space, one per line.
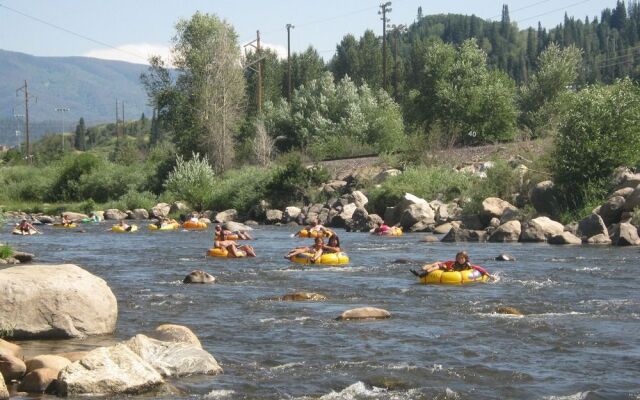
(598,133)
(192,181)
(5,251)
(66,187)
(110,182)
(134,199)
(292,181)
(427,182)
(26,183)
(502,181)
(241,189)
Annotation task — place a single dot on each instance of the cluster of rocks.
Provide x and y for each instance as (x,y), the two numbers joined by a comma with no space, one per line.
(137,365)
(18,257)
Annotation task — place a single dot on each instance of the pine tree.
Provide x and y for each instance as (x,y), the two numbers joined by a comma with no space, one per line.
(79,142)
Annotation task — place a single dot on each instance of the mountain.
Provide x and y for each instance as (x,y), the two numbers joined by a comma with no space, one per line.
(89,87)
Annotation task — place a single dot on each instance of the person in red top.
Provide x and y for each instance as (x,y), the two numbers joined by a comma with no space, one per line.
(461,263)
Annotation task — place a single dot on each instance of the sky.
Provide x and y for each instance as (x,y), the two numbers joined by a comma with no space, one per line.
(133,30)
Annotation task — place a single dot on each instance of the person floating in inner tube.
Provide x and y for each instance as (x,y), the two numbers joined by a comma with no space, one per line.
(316,250)
(25,227)
(314,226)
(333,244)
(461,263)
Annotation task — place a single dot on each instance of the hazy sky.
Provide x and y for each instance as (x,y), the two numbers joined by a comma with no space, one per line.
(132,29)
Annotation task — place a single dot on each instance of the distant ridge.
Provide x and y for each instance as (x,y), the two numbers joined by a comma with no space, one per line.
(87,86)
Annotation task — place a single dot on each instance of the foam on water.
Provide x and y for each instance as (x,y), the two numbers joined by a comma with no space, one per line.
(220,394)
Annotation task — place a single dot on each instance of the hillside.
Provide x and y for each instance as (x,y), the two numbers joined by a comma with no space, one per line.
(87,86)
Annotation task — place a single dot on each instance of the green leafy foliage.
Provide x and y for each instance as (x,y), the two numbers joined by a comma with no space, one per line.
(66,187)
(6,251)
(241,189)
(502,181)
(192,181)
(291,181)
(426,182)
(598,133)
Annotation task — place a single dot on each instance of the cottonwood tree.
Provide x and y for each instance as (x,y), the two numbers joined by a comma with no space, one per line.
(204,104)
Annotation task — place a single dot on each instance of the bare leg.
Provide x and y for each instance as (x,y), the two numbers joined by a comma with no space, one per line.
(248,249)
(317,255)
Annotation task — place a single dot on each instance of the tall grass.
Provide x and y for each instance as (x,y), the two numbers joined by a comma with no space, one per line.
(6,251)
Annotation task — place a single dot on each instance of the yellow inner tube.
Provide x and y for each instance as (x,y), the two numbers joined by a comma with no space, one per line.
(218,252)
(194,225)
(165,227)
(120,229)
(19,232)
(313,234)
(71,225)
(233,236)
(393,231)
(325,259)
(440,277)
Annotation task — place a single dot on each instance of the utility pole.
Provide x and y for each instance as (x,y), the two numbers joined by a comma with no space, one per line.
(117,122)
(123,133)
(26,117)
(258,69)
(289,26)
(384,9)
(62,110)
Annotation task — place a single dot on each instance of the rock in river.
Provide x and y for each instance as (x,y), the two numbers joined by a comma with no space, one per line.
(365,313)
(55,301)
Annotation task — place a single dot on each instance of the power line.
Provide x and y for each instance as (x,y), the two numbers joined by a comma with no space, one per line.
(553,11)
(520,9)
(72,32)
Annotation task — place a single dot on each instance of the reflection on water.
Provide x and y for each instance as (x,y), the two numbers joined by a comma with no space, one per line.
(577,339)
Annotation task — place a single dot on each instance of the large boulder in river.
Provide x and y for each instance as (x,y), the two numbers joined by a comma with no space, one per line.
(624,234)
(226,216)
(55,301)
(359,198)
(302,296)
(47,361)
(540,229)
(564,238)
(291,213)
(591,226)
(11,367)
(115,214)
(543,198)
(40,380)
(464,235)
(236,226)
(108,371)
(139,213)
(199,276)
(412,213)
(174,358)
(9,348)
(161,210)
(611,210)
(507,232)
(74,216)
(359,221)
(177,334)
(365,313)
(273,216)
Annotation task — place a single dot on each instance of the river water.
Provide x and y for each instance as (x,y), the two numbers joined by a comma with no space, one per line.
(578,339)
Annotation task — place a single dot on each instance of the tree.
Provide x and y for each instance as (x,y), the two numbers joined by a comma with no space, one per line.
(598,134)
(205,103)
(192,181)
(305,67)
(541,99)
(345,62)
(80,135)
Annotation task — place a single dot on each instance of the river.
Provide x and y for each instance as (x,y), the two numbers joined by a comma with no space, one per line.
(578,339)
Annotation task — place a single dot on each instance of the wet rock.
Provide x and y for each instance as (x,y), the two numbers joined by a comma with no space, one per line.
(46,219)
(249,222)
(161,210)
(199,276)
(444,228)
(540,229)
(599,239)
(115,214)
(624,234)
(39,381)
(403,261)
(108,371)
(505,257)
(430,239)
(565,238)
(508,310)
(591,226)
(303,296)
(9,348)
(507,232)
(55,363)
(464,235)
(410,211)
(473,222)
(174,358)
(73,356)
(38,304)
(176,333)
(23,258)
(359,199)
(571,227)
(365,313)
(12,368)
(359,221)
(273,216)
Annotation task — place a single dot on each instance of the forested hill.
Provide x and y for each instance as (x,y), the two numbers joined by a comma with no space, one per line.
(610,45)
(89,87)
